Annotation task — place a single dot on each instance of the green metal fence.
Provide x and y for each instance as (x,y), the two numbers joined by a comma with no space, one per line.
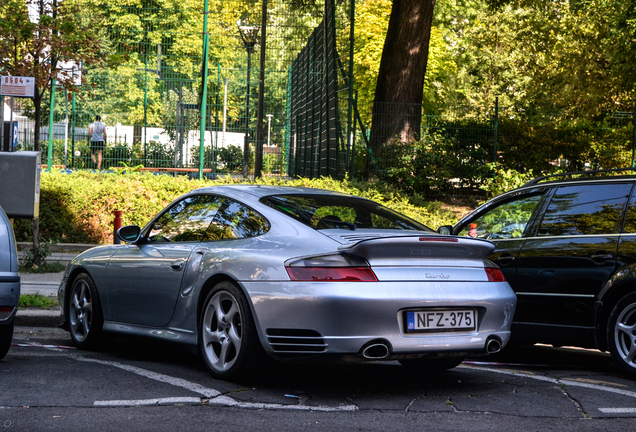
(151,99)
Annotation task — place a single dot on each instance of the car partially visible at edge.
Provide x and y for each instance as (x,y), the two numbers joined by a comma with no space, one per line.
(9,283)
(567,246)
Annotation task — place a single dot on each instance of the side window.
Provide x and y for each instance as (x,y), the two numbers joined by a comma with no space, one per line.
(585,209)
(630,217)
(187,220)
(234,220)
(508,220)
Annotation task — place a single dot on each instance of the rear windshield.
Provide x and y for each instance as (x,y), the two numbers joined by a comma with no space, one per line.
(345,212)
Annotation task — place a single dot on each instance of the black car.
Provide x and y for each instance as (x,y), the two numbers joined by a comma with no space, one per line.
(567,246)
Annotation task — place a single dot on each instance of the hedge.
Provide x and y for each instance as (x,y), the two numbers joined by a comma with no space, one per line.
(78,207)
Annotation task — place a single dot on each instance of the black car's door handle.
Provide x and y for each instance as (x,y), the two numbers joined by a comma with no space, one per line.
(177,265)
(505,259)
(601,256)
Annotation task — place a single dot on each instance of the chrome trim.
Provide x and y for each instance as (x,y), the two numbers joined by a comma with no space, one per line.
(556,295)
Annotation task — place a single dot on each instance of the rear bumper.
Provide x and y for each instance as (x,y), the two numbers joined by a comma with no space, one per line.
(9,295)
(344,317)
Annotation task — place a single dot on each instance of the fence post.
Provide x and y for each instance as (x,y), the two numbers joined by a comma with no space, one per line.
(494,147)
(51,137)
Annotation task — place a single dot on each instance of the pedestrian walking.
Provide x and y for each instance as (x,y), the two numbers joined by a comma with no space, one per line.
(97,131)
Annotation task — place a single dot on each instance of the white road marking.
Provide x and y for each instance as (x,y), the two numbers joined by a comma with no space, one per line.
(618,410)
(228,401)
(149,402)
(557,381)
(178,382)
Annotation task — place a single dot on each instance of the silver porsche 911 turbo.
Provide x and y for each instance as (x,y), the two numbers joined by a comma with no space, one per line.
(295,273)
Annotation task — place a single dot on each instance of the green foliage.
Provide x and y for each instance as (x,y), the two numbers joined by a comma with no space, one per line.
(27,262)
(37,301)
(503,180)
(432,163)
(78,207)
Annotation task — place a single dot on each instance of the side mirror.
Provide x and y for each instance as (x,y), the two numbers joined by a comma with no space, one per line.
(129,233)
(445,230)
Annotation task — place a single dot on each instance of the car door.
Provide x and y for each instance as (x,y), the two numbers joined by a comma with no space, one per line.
(144,279)
(571,254)
(505,224)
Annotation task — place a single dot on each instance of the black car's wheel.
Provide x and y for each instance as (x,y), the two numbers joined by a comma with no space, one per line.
(621,334)
(85,313)
(437,364)
(6,335)
(228,340)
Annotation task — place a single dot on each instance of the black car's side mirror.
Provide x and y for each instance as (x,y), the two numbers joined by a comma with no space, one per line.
(129,233)
(445,230)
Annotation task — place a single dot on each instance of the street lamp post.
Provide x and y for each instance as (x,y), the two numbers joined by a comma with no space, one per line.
(269,126)
(249,35)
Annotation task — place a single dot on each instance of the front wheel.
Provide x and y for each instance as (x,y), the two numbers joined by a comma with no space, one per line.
(85,313)
(621,334)
(6,335)
(228,340)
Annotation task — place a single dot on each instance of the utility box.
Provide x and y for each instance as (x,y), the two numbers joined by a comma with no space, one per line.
(20,184)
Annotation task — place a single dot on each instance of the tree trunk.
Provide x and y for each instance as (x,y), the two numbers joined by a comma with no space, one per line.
(398,93)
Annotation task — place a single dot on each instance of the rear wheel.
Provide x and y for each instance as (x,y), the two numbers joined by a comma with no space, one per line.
(6,335)
(437,364)
(621,334)
(228,340)
(85,313)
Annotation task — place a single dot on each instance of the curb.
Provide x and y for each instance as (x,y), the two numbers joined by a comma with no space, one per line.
(38,317)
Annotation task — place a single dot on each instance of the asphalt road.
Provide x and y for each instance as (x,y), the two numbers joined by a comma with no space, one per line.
(134,384)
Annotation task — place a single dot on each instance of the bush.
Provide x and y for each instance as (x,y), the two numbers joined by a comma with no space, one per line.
(432,164)
(78,207)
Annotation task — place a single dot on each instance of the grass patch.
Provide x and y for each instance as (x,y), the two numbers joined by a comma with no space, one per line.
(37,300)
(54,267)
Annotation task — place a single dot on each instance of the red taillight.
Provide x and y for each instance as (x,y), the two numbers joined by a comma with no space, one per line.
(332,274)
(6,308)
(440,239)
(494,274)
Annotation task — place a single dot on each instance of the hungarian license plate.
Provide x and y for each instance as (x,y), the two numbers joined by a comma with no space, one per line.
(440,320)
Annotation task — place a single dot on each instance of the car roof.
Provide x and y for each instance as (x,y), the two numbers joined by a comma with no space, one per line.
(266,190)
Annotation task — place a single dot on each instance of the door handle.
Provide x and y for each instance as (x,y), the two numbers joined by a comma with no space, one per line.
(177,265)
(505,259)
(602,256)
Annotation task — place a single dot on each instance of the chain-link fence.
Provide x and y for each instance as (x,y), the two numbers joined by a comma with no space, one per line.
(150,99)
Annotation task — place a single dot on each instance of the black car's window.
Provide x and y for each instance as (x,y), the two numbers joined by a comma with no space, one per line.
(585,209)
(345,212)
(507,220)
(630,217)
(235,220)
(187,220)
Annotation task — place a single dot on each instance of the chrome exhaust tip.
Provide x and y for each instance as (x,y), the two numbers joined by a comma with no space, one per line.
(376,351)
(493,345)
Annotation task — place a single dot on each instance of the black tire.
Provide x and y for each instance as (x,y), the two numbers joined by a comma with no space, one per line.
(228,340)
(621,334)
(6,335)
(85,317)
(429,365)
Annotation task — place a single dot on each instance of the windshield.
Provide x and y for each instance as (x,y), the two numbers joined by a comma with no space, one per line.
(344,212)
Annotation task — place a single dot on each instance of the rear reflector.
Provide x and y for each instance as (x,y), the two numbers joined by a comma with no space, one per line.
(332,274)
(494,274)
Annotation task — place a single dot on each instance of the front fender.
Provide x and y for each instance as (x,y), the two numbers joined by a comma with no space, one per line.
(621,283)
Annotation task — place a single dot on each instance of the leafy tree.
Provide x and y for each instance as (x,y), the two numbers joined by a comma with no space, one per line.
(34,49)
